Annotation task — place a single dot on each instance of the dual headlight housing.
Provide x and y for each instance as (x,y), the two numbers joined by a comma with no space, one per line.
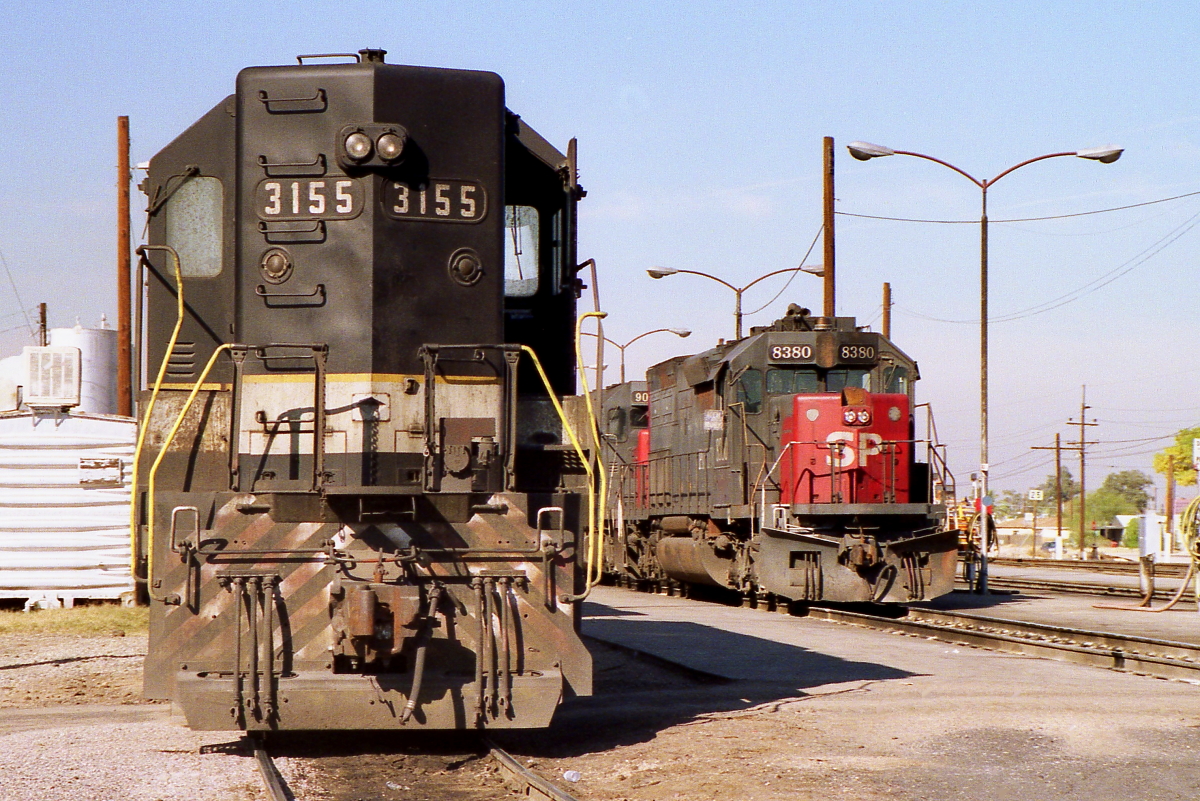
(371,145)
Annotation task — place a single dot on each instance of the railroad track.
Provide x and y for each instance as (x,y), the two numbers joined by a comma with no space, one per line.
(1073,587)
(1141,655)
(518,778)
(1161,570)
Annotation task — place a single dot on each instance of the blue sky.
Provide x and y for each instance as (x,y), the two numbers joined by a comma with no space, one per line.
(699,132)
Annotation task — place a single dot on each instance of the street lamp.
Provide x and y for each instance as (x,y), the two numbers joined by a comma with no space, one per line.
(679,332)
(864,151)
(663,272)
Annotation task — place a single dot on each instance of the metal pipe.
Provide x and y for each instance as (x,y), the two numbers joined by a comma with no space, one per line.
(124,339)
(255,587)
(505,656)
(319,354)
(477,585)
(269,618)
(235,419)
(238,696)
(489,647)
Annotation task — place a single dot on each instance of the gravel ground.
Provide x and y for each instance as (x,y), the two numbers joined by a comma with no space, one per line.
(73,727)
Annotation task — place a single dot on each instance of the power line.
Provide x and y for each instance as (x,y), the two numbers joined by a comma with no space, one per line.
(1096,283)
(1019,219)
(794,274)
(13,284)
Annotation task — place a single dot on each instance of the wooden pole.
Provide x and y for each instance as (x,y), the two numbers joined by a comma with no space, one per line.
(887,310)
(124,290)
(1170,510)
(830,306)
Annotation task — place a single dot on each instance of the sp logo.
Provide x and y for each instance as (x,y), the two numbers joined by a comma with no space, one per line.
(848,447)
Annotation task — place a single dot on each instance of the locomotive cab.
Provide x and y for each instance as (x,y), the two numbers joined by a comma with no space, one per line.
(350,511)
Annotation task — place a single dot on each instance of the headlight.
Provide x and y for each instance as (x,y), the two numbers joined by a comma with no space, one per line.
(390,145)
(864,417)
(358,146)
(849,417)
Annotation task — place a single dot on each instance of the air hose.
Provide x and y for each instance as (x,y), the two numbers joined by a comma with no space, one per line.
(1189,528)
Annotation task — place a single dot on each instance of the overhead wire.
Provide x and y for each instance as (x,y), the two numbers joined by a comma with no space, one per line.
(1091,286)
(795,272)
(16,292)
(1021,219)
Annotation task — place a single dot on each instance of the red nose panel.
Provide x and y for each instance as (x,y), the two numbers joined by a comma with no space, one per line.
(828,461)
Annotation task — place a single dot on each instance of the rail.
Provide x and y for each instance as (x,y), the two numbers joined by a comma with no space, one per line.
(273,783)
(530,785)
(1143,655)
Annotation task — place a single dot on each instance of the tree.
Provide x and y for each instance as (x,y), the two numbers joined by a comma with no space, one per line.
(1130,485)
(1070,487)
(1106,503)
(1130,540)
(1009,504)
(1185,474)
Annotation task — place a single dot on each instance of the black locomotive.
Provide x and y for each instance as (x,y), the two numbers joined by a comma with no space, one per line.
(786,466)
(349,510)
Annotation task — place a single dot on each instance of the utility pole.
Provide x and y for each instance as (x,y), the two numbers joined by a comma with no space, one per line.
(1058,495)
(1170,505)
(1082,446)
(43,332)
(887,310)
(829,308)
(124,290)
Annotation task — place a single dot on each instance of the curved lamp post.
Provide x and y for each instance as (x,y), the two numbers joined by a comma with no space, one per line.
(663,272)
(864,151)
(679,332)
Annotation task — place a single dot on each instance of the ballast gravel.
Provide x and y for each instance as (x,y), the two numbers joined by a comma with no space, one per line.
(74,727)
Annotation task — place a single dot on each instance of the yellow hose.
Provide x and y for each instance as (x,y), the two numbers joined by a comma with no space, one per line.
(145,422)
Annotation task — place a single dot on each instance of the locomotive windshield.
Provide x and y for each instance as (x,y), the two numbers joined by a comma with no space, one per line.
(837,380)
(895,379)
(520,251)
(792,381)
(639,416)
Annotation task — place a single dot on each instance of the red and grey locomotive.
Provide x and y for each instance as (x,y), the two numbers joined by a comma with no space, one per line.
(783,464)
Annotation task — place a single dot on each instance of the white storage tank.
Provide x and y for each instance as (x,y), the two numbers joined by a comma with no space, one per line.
(98,365)
(64,507)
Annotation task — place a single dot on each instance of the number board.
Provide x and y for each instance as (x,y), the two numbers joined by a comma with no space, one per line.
(855,353)
(640,397)
(436,200)
(794,354)
(309,199)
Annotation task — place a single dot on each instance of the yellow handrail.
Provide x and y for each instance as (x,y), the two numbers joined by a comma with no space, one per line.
(141,438)
(150,481)
(567,427)
(596,543)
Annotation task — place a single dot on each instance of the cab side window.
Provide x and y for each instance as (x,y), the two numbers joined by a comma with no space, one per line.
(750,390)
(616,424)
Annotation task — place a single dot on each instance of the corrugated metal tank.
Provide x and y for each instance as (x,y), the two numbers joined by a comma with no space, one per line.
(98,365)
(64,506)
